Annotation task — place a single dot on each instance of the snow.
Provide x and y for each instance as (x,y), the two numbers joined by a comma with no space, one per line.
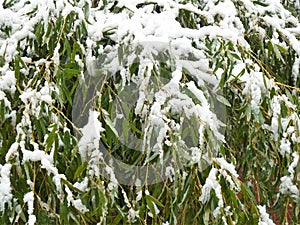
(276,22)
(8,82)
(83,185)
(89,143)
(196,155)
(29,199)
(285,147)
(147,192)
(254,88)
(126,200)
(170,172)
(211,183)
(57,181)
(264,216)
(227,166)
(12,151)
(46,163)
(34,98)
(79,206)
(114,182)
(132,215)
(204,112)
(36,155)
(31,219)
(294,163)
(139,194)
(90,135)
(287,186)
(296,69)
(3,97)
(77,203)
(55,56)
(155,209)
(5,190)
(7,17)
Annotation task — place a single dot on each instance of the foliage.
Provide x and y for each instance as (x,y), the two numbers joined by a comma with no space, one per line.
(243,70)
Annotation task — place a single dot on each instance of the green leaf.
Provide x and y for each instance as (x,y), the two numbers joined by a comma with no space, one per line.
(151,206)
(120,54)
(248,113)
(290,96)
(66,182)
(109,122)
(270,49)
(223,100)
(275,48)
(69,73)
(233,55)
(247,192)
(80,170)
(2,61)
(17,67)
(255,217)
(117,219)
(2,111)
(151,198)
(260,3)
(223,80)
(282,49)
(67,47)
(51,137)
(86,10)
(63,213)
(277,53)
(206,219)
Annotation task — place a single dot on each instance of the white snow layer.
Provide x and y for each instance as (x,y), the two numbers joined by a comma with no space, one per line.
(90,135)
(212,183)
(264,218)
(5,190)
(287,186)
(29,199)
(89,143)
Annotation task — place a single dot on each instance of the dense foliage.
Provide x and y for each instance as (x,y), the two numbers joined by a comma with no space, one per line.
(149,112)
